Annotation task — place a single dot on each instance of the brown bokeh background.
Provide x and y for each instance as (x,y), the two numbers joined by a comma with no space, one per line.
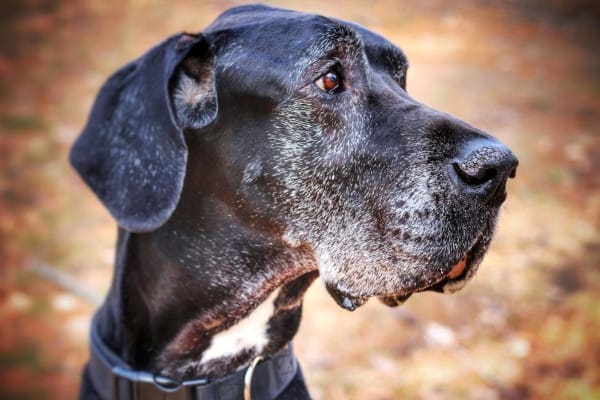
(526,71)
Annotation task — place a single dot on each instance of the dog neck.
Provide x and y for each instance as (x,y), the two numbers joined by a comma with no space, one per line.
(193,299)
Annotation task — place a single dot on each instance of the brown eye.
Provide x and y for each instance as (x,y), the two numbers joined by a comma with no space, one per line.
(330,82)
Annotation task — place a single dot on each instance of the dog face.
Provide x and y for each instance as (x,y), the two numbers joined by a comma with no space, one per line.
(318,143)
(349,164)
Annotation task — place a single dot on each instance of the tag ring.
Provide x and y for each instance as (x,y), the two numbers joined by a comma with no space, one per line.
(248,377)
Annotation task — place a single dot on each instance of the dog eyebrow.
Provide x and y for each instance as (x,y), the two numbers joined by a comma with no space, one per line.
(331,35)
(333,43)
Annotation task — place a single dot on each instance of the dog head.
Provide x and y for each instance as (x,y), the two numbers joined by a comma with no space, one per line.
(316,141)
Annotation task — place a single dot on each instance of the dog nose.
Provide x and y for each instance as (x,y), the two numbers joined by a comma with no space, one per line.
(483,169)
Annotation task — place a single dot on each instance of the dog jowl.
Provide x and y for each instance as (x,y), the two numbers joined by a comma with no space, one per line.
(275,146)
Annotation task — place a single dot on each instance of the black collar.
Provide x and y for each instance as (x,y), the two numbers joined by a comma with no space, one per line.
(113,379)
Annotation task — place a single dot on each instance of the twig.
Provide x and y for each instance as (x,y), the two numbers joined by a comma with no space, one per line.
(64,280)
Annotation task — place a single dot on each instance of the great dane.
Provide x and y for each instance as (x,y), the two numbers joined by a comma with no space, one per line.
(243,162)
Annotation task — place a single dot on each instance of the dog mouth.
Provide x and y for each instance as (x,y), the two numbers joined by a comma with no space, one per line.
(455,279)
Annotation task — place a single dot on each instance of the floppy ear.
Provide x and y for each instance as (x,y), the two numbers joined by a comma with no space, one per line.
(132,153)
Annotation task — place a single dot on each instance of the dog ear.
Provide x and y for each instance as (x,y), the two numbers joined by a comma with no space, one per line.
(132,152)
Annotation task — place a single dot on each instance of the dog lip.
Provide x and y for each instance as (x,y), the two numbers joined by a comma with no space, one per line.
(394,300)
(458,268)
(345,300)
(456,273)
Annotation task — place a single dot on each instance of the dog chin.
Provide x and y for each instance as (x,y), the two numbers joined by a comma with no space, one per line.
(456,277)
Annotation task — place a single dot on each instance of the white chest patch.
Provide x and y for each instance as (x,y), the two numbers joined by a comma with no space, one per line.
(248,333)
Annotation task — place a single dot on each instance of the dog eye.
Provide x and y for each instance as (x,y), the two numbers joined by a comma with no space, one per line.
(330,83)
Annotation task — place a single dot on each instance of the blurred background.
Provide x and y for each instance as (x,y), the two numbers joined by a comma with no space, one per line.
(527,327)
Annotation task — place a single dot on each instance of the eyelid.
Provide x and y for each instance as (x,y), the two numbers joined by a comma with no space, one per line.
(333,65)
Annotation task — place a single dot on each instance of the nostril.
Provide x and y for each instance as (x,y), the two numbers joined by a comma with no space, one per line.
(475,176)
(480,166)
(482,170)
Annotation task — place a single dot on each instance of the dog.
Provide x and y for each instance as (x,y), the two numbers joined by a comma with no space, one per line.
(242,163)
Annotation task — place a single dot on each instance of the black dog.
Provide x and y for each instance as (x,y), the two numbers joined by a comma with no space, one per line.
(243,162)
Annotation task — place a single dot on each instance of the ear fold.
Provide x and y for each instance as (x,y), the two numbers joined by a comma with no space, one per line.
(193,90)
(132,151)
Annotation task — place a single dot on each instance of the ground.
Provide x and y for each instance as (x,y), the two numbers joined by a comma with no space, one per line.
(525,328)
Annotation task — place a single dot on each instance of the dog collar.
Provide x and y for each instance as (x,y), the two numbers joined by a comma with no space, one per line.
(113,379)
